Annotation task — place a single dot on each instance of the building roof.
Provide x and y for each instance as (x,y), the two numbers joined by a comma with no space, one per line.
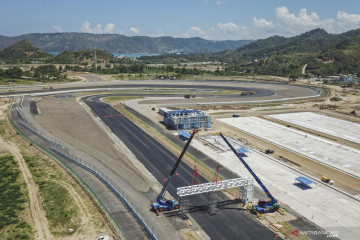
(305,180)
(184,134)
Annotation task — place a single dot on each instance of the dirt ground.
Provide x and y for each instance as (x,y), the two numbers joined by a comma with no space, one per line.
(92,222)
(84,134)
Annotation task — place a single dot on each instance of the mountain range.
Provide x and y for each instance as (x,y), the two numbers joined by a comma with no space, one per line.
(115,43)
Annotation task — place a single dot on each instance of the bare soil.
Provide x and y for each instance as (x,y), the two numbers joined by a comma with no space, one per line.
(74,126)
(92,222)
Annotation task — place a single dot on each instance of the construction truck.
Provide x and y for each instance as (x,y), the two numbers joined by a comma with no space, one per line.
(190,96)
(263,206)
(327,180)
(163,204)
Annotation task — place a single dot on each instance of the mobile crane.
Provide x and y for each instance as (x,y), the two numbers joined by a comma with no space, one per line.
(263,206)
(163,204)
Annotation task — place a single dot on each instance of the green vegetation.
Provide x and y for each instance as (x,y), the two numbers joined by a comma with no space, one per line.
(121,98)
(12,201)
(161,72)
(2,128)
(116,43)
(23,52)
(325,54)
(14,72)
(335,99)
(44,73)
(82,57)
(61,211)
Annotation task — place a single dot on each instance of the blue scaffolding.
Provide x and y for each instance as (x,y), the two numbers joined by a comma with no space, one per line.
(187,119)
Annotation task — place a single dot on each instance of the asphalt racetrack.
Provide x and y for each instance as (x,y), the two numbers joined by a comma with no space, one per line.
(228,223)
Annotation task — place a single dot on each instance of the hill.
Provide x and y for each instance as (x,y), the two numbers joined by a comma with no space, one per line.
(341,58)
(324,53)
(23,52)
(115,43)
(82,56)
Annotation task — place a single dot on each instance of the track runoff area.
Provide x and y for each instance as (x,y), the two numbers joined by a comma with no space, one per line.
(211,226)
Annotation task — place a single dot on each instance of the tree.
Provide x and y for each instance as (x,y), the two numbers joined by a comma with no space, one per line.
(14,72)
(46,72)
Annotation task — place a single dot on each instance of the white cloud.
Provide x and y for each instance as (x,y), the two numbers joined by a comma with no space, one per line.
(109,28)
(302,22)
(194,32)
(220,2)
(262,23)
(98,29)
(134,30)
(228,27)
(347,21)
(284,23)
(57,28)
(85,27)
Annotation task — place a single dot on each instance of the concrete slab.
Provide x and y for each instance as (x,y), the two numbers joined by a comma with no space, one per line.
(329,125)
(341,157)
(322,205)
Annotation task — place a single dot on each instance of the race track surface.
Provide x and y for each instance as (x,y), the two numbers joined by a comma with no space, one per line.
(228,223)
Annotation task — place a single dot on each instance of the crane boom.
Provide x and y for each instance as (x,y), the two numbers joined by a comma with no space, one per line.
(162,203)
(161,195)
(273,200)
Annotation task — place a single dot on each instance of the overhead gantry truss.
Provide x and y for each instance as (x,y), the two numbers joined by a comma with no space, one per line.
(245,183)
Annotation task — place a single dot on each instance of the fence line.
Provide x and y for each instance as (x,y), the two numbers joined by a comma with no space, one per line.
(21,116)
(72,173)
(40,136)
(111,186)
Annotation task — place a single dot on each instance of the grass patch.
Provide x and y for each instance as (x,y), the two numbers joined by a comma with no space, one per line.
(121,98)
(2,128)
(335,99)
(12,201)
(61,211)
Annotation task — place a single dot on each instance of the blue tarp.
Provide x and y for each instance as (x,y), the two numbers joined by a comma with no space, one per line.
(184,135)
(243,150)
(305,180)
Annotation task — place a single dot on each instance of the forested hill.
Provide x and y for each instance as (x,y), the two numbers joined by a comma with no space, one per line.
(115,43)
(23,51)
(313,41)
(321,52)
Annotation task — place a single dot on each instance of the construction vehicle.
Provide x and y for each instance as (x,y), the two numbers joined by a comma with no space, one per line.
(263,206)
(47,87)
(269,151)
(163,204)
(327,180)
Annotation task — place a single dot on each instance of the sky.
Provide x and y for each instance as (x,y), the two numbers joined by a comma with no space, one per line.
(209,19)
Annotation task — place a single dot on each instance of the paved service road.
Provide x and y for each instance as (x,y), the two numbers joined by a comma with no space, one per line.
(228,223)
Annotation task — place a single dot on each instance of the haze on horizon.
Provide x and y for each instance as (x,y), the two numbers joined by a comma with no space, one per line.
(209,19)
